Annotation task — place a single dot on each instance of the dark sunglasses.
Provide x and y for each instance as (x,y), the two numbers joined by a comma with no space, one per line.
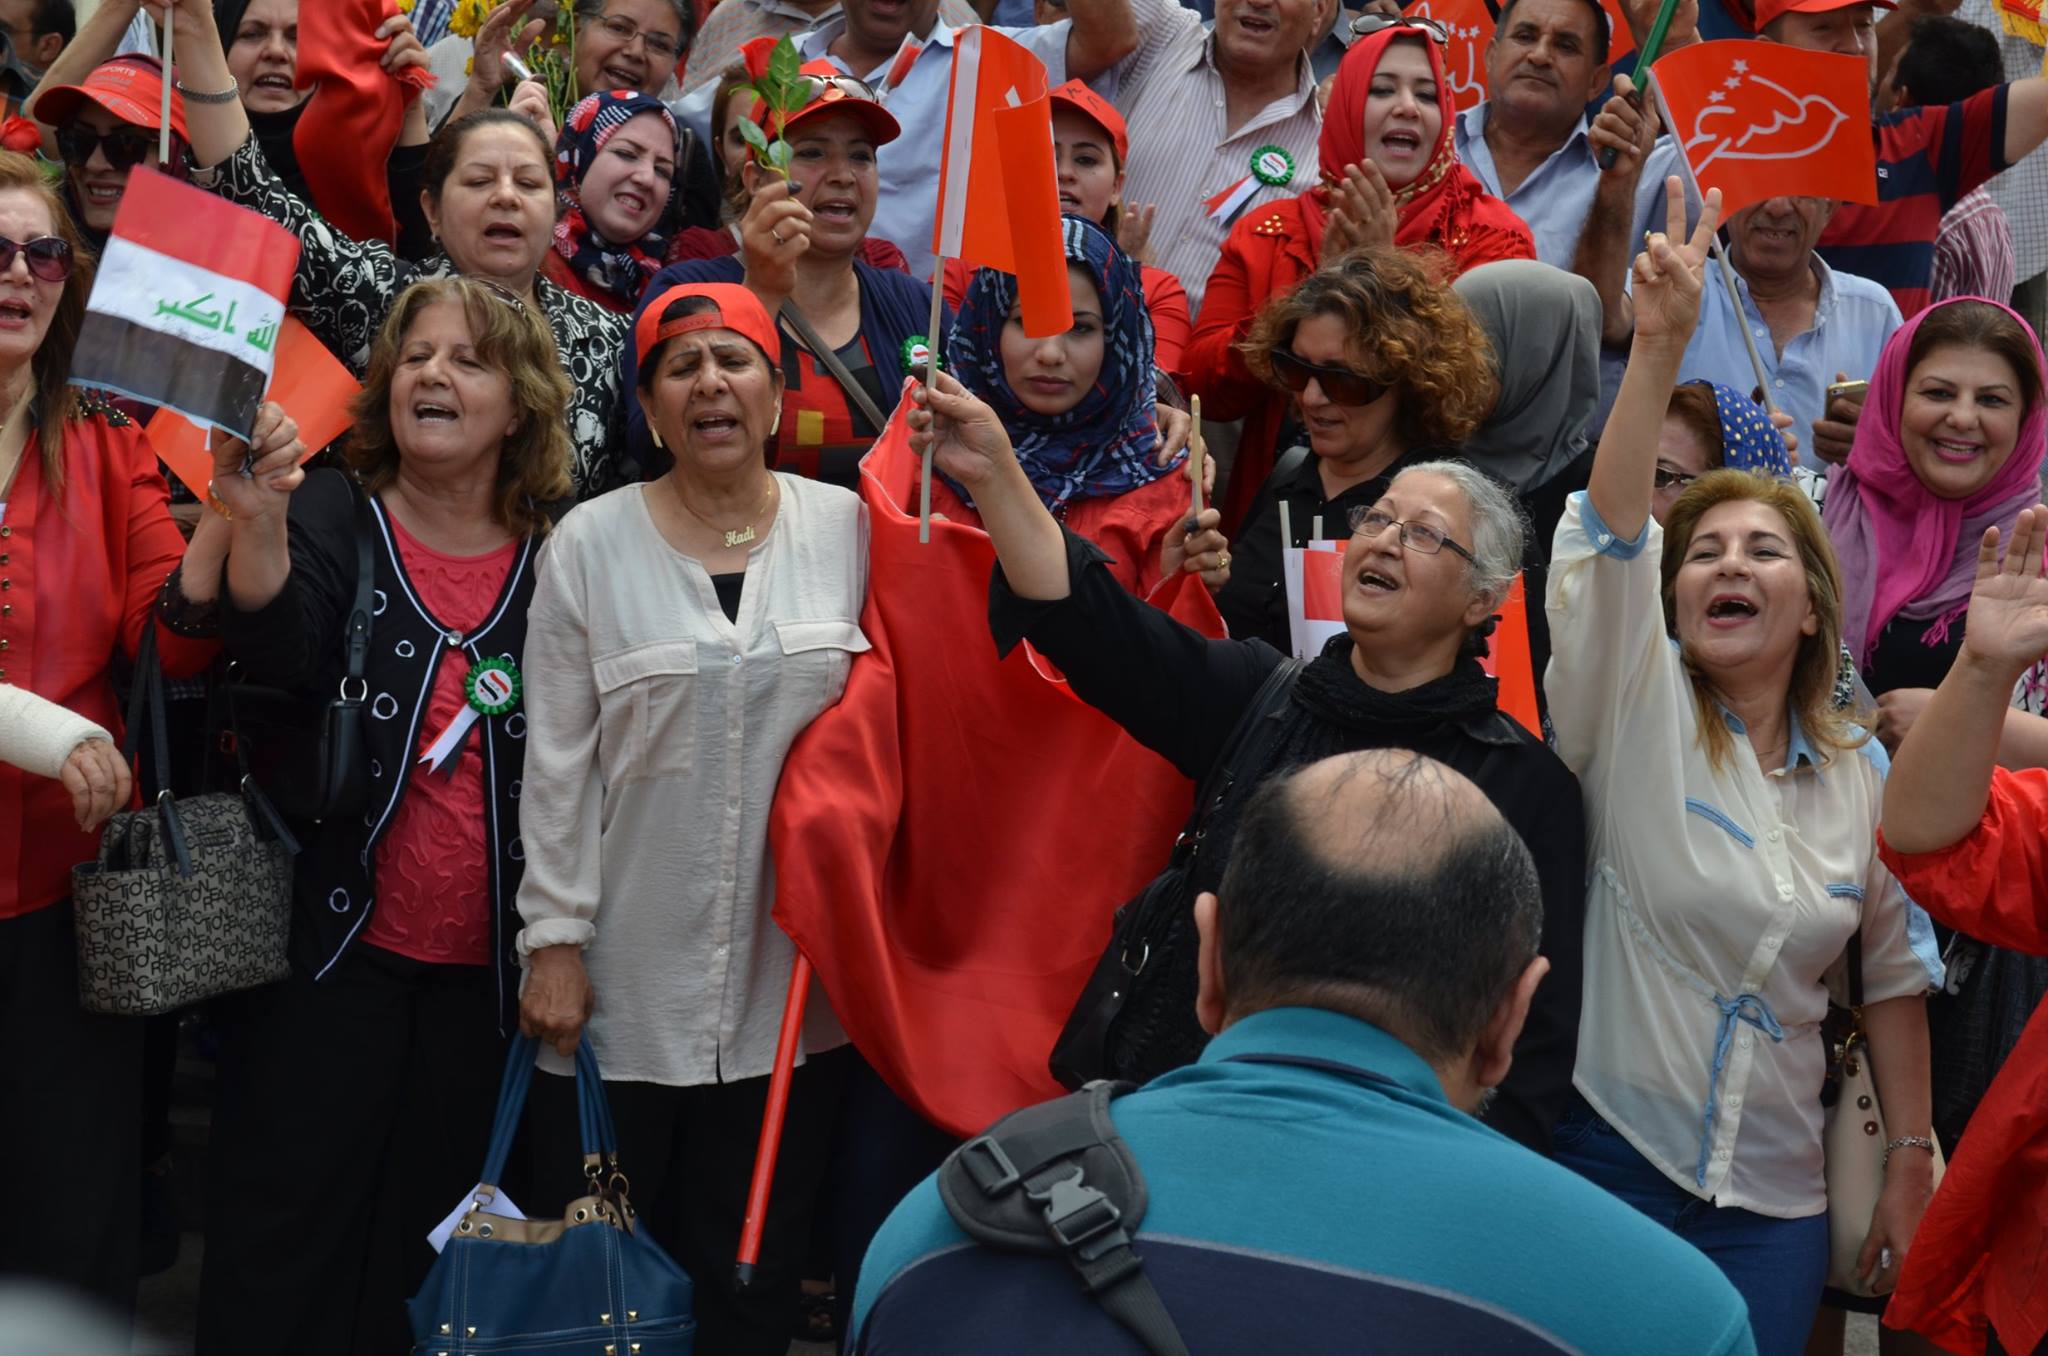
(126,147)
(1667,478)
(49,258)
(1342,385)
(1367,24)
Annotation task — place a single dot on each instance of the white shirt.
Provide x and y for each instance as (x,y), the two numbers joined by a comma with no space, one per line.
(657,731)
(1719,902)
(1182,151)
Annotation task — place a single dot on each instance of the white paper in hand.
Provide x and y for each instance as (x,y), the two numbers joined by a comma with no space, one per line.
(487,1199)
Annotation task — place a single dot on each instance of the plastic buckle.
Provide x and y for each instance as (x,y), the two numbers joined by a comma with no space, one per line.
(1006,1174)
(1076,1212)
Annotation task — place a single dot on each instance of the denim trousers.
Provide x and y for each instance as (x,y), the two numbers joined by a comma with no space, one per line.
(1778,1265)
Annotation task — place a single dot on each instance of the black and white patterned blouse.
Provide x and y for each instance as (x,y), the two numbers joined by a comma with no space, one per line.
(344,288)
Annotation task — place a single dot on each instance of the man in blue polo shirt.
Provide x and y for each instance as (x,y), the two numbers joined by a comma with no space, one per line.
(1317,1182)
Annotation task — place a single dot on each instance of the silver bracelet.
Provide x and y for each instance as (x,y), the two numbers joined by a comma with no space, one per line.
(226,96)
(1905,1142)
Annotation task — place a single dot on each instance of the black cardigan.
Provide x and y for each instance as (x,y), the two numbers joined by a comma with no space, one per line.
(1181,694)
(294,641)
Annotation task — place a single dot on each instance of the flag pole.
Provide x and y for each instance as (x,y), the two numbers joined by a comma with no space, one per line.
(931,367)
(1726,270)
(772,1116)
(163,136)
(1196,451)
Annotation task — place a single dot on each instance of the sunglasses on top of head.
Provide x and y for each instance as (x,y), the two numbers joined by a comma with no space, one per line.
(1367,24)
(1340,384)
(48,256)
(125,147)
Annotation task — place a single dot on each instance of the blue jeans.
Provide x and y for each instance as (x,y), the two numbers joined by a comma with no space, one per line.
(1779,1265)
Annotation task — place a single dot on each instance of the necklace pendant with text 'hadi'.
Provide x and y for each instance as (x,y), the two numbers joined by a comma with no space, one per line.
(741,537)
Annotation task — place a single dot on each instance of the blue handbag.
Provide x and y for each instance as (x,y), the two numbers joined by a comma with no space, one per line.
(592,1281)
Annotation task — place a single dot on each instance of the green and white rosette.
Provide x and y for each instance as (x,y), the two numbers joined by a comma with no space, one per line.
(492,687)
(917,351)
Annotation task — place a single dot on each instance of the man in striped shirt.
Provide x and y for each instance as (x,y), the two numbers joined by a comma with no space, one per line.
(1948,61)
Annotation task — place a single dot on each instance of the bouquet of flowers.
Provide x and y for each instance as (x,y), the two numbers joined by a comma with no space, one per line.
(552,57)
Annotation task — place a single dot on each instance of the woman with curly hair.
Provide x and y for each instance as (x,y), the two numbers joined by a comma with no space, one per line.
(1388,368)
(1429,561)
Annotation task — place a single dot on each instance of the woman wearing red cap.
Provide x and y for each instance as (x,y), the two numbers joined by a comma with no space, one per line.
(683,633)
(103,126)
(1090,145)
(1392,178)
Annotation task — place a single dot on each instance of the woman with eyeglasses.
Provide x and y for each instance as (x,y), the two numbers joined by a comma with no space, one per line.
(1706,427)
(490,197)
(355,1095)
(620,45)
(86,540)
(1387,367)
(1422,576)
(1391,176)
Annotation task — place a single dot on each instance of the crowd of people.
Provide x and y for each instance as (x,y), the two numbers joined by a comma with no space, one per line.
(1489,1033)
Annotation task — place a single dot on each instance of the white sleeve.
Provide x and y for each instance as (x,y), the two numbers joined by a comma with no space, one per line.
(37,735)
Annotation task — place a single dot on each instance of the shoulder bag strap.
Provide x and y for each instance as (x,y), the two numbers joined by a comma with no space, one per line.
(356,638)
(822,351)
(149,687)
(1249,740)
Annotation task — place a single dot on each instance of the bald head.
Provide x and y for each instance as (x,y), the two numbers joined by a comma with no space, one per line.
(1382,884)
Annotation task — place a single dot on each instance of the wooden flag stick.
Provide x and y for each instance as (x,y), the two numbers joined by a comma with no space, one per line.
(163,136)
(1196,450)
(931,367)
(1315,528)
(1286,529)
(772,1116)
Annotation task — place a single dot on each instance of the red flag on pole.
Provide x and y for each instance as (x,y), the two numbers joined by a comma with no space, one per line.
(352,120)
(999,202)
(952,838)
(1759,119)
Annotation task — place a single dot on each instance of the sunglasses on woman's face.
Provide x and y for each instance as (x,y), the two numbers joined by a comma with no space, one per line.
(49,258)
(1668,478)
(1340,384)
(126,147)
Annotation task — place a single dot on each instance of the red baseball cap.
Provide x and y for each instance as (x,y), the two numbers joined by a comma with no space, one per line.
(1098,110)
(832,91)
(735,309)
(1767,10)
(130,87)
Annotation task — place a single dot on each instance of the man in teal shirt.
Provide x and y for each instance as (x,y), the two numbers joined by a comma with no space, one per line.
(1317,1180)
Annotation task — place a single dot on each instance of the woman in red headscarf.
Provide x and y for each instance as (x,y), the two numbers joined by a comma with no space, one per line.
(1390,176)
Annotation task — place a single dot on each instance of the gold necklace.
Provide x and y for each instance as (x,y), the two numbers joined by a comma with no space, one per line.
(734,536)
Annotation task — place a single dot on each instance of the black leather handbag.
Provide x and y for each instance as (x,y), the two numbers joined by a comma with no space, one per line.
(306,753)
(1136,1015)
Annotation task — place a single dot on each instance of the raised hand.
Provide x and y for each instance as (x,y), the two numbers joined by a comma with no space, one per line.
(256,479)
(402,47)
(1174,428)
(1134,230)
(1362,212)
(1625,128)
(967,440)
(1669,277)
(530,101)
(505,30)
(774,234)
(1197,545)
(2008,623)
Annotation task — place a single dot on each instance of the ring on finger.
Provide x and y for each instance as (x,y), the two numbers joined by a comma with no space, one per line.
(1223,560)
(776,236)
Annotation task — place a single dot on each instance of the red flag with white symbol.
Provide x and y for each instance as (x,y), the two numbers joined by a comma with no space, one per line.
(1759,119)
(999,201)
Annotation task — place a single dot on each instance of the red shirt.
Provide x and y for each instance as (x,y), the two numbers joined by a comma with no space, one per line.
(1165,298)
(1977,1256)
(79,575)
(822,436)
(433,865)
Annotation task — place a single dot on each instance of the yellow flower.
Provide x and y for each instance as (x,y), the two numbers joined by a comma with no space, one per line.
(405,6)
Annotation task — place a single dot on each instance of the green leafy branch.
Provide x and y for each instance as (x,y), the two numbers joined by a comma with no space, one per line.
(782,90)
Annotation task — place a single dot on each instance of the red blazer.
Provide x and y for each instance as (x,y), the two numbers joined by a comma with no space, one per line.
(1977,1256)
(1266,254)
(79,575)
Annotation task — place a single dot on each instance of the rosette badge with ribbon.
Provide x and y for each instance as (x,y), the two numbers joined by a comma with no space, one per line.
(492,687)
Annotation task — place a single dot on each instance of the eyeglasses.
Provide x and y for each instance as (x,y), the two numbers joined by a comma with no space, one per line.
(1340,384)
(660,46)
(49,257)
(1367,24)
(1370,522)
(126,147)
(1668,478)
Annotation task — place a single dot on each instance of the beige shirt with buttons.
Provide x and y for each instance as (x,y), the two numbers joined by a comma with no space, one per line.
(656,735)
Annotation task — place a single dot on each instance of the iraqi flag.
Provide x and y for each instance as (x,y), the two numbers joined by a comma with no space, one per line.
(999,198)
(188,303)
(1760,119)
(952,839)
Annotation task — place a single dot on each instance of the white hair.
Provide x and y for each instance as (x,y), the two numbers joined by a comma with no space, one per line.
(1500,530)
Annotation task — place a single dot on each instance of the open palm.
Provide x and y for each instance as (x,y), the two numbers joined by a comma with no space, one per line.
(1668,276)
(2009,606)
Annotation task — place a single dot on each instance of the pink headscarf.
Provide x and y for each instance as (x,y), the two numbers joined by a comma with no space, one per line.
(1904,551)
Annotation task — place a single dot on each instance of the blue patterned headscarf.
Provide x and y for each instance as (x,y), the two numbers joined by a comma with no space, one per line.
(1105,445)
(1749,440)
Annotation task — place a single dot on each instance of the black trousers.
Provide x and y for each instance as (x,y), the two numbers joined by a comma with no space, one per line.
(689,1154)
(352,1115)
(70,1119)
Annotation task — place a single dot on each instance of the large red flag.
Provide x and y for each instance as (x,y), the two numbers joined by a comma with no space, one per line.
(1760,119)
(952,838)
(999,201)
(352,120)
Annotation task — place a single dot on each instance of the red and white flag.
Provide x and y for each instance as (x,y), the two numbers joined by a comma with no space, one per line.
(188,303)
(1759,119)
(999,201)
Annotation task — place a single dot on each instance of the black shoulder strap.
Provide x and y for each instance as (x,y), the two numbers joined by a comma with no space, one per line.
(1056,1178)
(146,707)
(1250,741)
(1290,461)
(356,637)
